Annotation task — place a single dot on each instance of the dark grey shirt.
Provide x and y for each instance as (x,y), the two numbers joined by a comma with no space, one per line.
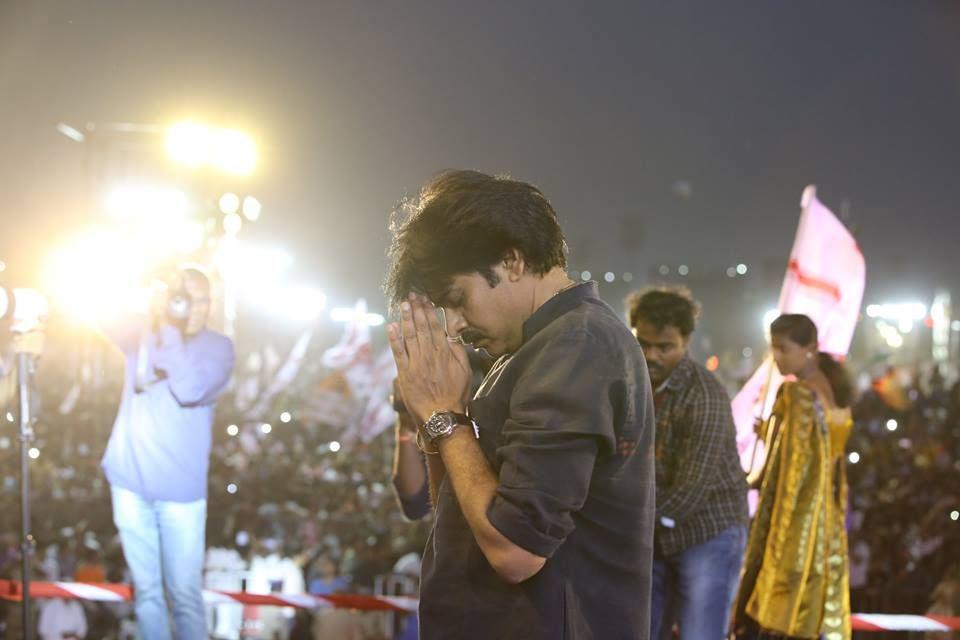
(567,424)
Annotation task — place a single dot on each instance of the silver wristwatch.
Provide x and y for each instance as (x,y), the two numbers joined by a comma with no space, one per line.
(442,423)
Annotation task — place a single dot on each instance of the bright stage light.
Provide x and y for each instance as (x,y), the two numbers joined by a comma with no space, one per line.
(28,306)
(891,425)
(257,268)
(195,145)
(955,515)
(334,446)
(232,223)
(146,202)
(233,152)
(251,208)
(229,203)
(188,143)
(266,427)
(34,453)
(233,430)
(285,417)
(349,314)
(854,457)
(97,273)
(898,311)
(297,303)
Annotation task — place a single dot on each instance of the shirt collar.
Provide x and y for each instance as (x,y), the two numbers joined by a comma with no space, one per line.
(558,305)
(681,375)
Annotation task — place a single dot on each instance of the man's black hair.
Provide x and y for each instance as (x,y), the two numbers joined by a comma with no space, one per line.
(664,306)
(465,222)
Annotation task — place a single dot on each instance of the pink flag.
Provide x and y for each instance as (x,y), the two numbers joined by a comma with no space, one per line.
(363,408)
(825,278)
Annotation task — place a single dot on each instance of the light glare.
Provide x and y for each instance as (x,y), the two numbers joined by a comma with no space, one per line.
(144,202)
(232,223)
(233,152)
(195,145)
(229,203)
(252,208)
(188,143)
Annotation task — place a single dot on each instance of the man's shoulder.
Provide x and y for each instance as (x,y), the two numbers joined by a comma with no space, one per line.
(703,385)
(593,321)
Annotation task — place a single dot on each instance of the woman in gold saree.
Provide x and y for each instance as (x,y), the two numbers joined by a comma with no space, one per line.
(795,581)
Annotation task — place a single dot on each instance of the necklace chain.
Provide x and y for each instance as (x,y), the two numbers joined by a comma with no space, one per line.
(562,289)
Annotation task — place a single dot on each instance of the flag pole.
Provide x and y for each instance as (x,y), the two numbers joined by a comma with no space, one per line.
(757,418)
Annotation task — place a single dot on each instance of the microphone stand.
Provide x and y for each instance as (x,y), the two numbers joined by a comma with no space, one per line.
(27,347)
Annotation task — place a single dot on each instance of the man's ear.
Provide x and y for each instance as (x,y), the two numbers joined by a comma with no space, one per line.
(514,265)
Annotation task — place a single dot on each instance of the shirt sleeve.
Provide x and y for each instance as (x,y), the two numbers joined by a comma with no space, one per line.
(708,423)
(417,506)
(561,414)
(197,370)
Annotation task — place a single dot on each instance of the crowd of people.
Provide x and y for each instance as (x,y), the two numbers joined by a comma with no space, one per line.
(274,500)
(594,469)
(334,515)
(905,495)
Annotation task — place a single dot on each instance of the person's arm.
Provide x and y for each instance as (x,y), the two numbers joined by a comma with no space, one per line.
(197,371)
(435,375)
(475,486)
(558,416)
(709,425)
(410,470)
(436,472)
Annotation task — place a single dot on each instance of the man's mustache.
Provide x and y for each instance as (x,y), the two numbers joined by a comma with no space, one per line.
(471,337)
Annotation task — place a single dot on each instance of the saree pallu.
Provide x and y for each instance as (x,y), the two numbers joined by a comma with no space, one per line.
(795,580)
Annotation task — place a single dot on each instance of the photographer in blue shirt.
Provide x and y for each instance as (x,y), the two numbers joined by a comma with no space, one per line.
(158,454)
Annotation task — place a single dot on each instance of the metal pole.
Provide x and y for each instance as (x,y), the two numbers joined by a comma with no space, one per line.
(24,373)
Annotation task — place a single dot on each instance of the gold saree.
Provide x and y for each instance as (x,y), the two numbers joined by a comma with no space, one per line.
(795,577)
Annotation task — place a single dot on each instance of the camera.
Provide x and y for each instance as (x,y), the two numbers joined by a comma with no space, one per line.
(178,307)
(173,304)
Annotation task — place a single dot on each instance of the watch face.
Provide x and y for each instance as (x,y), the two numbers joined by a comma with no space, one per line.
(439,424)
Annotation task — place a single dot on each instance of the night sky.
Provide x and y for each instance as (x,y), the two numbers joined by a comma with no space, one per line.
(605,107)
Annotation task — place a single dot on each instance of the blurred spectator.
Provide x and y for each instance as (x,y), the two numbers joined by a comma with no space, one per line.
(91,568)
(62,620)
(273,572)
